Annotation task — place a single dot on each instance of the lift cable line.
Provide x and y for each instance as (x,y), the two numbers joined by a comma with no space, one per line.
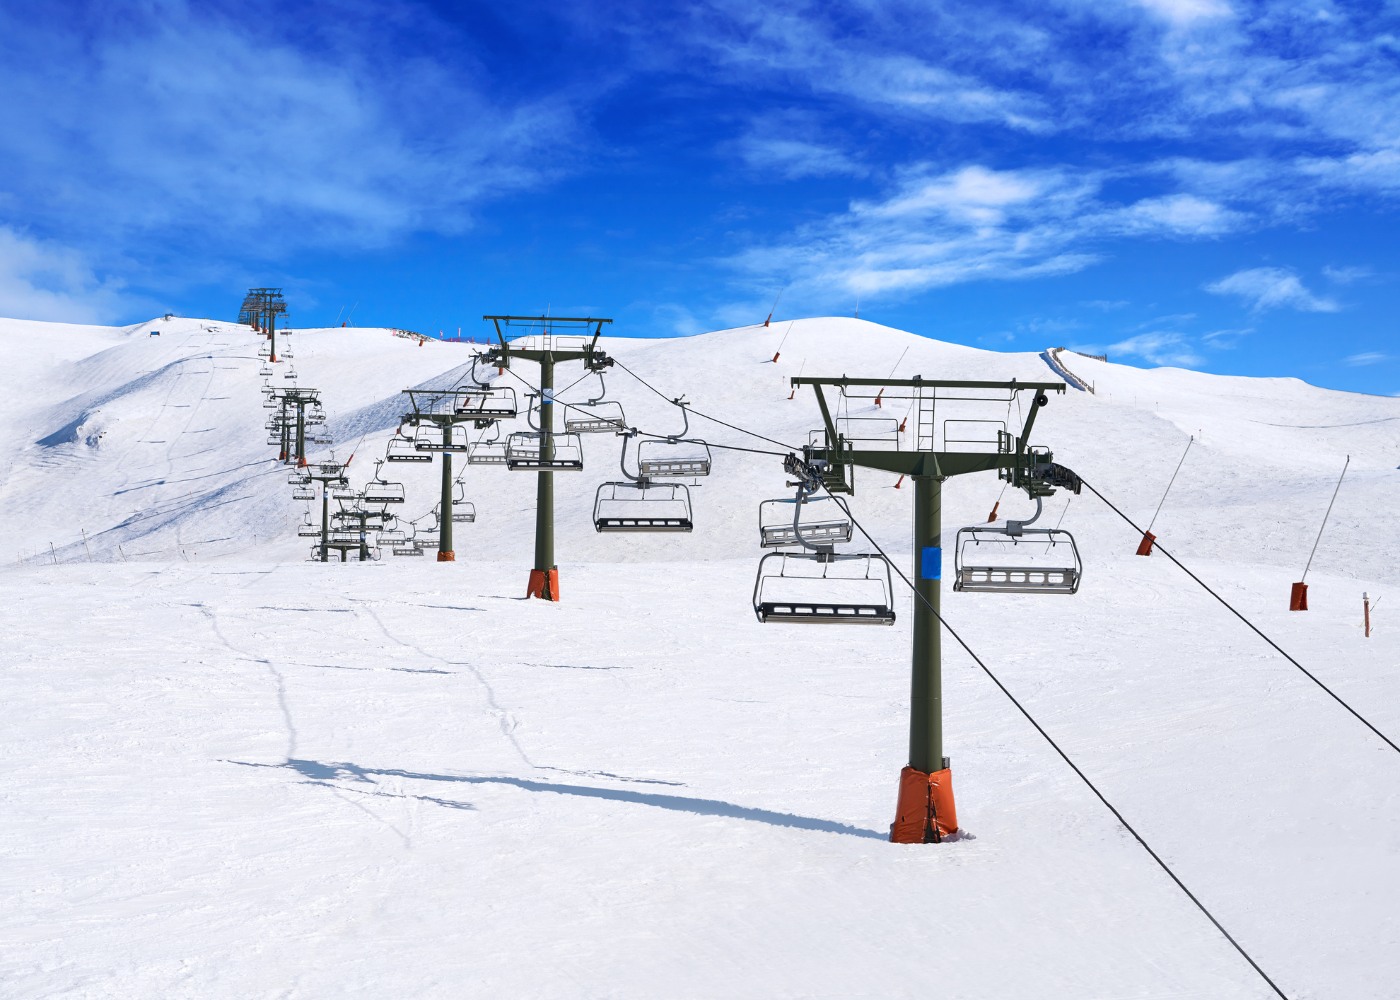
(722,423)
(1254,628)
(1064,756)
(667,437)
(1145,546)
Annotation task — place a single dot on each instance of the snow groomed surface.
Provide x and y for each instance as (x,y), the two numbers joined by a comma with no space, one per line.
(233,773)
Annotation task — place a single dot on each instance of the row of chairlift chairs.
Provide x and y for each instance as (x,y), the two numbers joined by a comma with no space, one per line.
(649,500)
(806,580)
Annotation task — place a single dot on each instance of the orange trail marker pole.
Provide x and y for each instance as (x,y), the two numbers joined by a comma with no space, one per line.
(779,351)
(1145,546)
(1366,611)
(892,371)
(799,374)
(769,320)
(1298,597)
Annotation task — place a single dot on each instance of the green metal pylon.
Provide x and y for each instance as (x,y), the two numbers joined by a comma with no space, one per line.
(544,576)
(926,811)
(445,551)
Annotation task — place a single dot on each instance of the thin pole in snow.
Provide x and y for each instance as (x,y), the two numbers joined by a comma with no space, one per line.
(769,320)
(779,351)
(1366,612)
(85,544)
(1191,440)
(53,553)
(1325,517)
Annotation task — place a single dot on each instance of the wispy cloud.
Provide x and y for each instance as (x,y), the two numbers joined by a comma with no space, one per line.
(1366,358)
(1271,288)
(45,281)
(1346,275)
(789,145)
(175,119)
(1158,349)
(939,228)
(792,43)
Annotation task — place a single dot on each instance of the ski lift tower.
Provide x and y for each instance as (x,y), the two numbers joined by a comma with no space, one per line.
(263,306)
(546,349)
(331,476)
(953,436)
(294,442)
(440,418)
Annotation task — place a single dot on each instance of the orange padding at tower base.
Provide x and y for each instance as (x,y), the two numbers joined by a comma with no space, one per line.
(544,584)
(448,556)
(925,813)
(1298,599)
(1145,546)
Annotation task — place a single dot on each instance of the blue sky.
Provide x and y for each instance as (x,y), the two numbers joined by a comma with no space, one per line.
(1207,183)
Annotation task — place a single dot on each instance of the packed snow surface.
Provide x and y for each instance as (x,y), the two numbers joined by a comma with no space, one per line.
(235,773)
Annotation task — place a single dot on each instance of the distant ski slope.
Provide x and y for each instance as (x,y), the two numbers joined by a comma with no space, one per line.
(233,773)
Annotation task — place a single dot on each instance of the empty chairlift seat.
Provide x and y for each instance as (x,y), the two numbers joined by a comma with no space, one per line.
(991,560)
(533,451)
(681,459)
(488,403)
(430,438)
(821,588)
(602,417)
(303,493)
(402,450)
(642,507)
(819,521)
(463,510)
(381,492)
(309,530)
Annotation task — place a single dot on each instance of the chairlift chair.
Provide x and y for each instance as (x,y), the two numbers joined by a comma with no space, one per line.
(525,452)
(642,506)
(378,491)
(298,478)
(824,588)
(1015,559)
(487,402)
(679,458)
(463,510)
(782,522)
(603,416)
(303,493)
(402,450)
(308,530)
(429,437)
(344,491)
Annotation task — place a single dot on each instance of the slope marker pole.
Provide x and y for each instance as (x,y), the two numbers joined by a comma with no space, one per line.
(1298,598)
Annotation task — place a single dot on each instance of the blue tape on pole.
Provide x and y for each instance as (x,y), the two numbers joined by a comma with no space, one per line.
(931,563)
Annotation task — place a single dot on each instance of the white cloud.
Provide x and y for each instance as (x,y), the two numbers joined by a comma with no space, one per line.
(789,43)
(1367,358)
(45,281)
(1269,288)
(1156,348)
(1182,214)
(1183,12)
(788,145)
(1346,275)
(179,120)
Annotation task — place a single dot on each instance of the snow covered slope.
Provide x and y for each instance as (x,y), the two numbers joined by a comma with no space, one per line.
(233,773)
